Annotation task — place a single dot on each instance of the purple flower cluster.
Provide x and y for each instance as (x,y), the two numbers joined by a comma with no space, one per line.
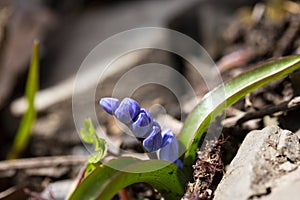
(144,126)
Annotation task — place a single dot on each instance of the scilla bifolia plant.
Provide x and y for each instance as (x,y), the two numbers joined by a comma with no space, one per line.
(170,180)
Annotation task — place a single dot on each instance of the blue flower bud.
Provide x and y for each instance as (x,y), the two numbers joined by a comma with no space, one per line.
(168,137)
(179,163)
(142,127)
(170,151)
(109,104)
(154,140)
(155,123)
(127,111)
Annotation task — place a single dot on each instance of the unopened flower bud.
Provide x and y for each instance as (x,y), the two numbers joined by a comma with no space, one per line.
(179,163)
(127,111)
(142,127)
(168,137)
(170,151)
(110,105)
(154,140)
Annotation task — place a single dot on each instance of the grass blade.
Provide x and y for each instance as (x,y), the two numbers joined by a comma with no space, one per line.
(23,134)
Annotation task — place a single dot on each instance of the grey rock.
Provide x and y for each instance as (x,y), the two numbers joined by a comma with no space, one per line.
(265,167)
(286,187)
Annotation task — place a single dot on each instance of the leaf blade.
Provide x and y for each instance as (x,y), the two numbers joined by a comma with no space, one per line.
(24,131)
(199,120)
(104,182)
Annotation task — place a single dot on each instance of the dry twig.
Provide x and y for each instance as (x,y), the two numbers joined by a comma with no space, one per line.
(8,168)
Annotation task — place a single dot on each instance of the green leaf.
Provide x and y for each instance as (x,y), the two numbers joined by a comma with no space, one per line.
(215,101)
(89,135)
(101,145)
(105,181)
(23,134)
(90,166)
(96,158)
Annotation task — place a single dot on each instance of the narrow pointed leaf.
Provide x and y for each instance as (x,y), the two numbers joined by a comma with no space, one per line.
(225,95)
(23,134)
(104,182)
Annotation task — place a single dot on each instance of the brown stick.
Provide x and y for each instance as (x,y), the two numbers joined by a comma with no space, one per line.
(42,162)
(285,106)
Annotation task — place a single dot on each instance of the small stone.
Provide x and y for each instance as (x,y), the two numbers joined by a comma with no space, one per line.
(266,166)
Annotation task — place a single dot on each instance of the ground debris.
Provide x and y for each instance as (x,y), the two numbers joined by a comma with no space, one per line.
(208,166)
